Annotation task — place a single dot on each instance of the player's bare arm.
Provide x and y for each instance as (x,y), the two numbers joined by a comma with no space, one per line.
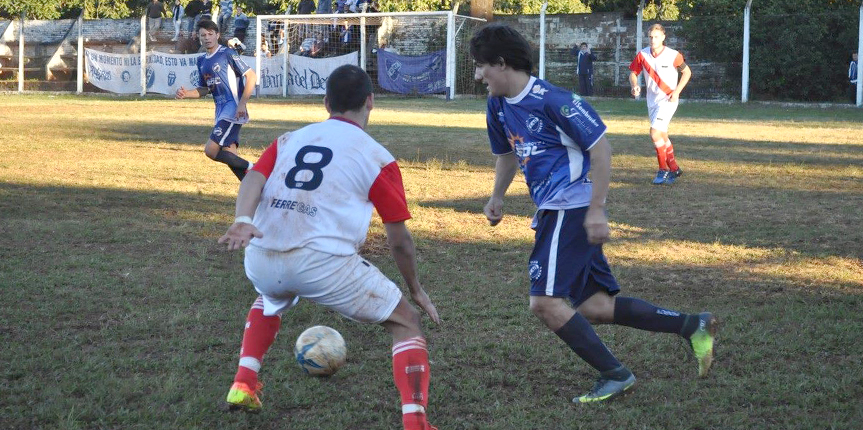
(685,75)
(251,79)
(633,83)
(404,253)
(196,93)
(596,221)
(242,231)
(504,172)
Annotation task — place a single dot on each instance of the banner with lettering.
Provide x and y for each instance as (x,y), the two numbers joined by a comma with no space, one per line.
(166,73)
(425,74)
(309,75)
(270,76)
(121,73)
(117,73)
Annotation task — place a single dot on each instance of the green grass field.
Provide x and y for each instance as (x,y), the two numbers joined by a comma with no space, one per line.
(119,310)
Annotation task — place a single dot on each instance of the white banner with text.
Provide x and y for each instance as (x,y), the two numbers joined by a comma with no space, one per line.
(165,73)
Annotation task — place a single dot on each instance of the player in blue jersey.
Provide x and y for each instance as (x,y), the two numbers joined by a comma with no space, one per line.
(556,139)
(222,73)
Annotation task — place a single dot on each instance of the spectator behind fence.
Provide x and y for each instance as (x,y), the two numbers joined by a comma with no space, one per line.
(177,16)
(306,7)
(265,48)
(852,78)
(206,11)
(325,7)
(584,68)
(226,12)
(154,13)
(241,24)
(193,12)
(313,46)
(275,35)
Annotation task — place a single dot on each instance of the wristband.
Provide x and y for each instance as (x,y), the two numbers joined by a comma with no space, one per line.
(243,219)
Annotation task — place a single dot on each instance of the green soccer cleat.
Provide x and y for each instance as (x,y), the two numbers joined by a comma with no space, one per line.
(606,389)
(243,398)
(702,341)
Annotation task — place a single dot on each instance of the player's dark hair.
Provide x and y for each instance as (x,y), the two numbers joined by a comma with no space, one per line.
(207,25)
(501,44)
(347,88)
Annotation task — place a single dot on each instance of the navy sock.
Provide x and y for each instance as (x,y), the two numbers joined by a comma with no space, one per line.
(580,336)
(639,314)
(237,164)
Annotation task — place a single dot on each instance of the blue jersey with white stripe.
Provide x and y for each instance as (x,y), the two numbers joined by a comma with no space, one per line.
(550,130)
(222,72)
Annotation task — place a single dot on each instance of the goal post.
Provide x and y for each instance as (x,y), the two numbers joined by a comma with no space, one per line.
(405,53)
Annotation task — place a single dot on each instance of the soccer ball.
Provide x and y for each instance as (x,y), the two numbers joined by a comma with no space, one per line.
(320,351)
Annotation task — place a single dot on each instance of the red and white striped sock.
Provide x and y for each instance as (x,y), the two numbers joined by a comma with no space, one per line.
(259,335)
(669,156)
(411,373)
(661,154)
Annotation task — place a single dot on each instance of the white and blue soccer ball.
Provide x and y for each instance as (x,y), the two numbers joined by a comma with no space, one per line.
(320,351)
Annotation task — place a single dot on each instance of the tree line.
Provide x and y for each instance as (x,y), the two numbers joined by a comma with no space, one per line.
(799,49)
(113,9)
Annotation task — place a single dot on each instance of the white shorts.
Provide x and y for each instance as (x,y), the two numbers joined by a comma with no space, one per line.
(661,113)
(348,285)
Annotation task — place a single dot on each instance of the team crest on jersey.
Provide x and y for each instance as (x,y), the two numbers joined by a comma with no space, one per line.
(216,68)
(538,91)
(533,124)
(534,270)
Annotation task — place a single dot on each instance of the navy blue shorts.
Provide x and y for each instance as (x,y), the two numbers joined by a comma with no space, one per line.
(563,263)
(225,133)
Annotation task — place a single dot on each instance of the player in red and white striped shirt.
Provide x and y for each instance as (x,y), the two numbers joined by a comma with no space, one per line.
(660,65)
(311,194)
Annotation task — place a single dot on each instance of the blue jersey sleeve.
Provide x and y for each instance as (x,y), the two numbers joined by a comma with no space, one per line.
(200,77)
(496,134)
(576,118)
(235,62)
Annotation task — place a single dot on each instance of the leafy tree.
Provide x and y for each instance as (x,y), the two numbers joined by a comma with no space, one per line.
(798,50)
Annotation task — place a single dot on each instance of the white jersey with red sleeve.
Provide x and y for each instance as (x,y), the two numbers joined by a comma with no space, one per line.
(322,182)
(660,72)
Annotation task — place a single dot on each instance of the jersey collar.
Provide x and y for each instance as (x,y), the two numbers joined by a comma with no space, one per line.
(523,92)
(208,55)
(343,119)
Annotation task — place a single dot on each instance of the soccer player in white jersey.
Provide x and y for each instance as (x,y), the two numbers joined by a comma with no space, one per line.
(312,194)
(223,73)
(660,65)
(556,138)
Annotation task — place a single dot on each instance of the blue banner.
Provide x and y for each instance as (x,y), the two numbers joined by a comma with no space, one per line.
(401,74)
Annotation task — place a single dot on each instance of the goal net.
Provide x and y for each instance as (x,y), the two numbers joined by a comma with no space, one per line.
(405,53)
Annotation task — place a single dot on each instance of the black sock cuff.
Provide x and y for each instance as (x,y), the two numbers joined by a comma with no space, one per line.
(619,374)
(690,324)
(231,159)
